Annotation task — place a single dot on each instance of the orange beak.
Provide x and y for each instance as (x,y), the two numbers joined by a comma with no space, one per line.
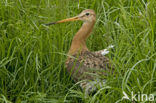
(64,20)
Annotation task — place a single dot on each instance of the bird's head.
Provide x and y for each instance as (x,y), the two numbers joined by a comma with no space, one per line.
(86,16)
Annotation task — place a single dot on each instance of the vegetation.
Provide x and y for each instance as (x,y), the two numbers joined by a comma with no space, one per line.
(32,55)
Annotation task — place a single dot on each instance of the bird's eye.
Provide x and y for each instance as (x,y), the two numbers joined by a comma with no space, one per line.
(87,14)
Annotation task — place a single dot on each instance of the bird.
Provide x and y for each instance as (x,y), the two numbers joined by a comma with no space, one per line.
(83,65)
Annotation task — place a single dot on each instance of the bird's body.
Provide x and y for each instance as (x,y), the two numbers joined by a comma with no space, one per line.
(87,66)
(83,64)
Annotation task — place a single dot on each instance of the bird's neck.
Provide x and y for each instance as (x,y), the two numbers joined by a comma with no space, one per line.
(79,40)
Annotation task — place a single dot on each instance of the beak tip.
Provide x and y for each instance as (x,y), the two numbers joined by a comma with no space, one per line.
(50,23)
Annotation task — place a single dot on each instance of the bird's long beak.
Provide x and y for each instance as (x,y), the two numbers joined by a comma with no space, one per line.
(64,20)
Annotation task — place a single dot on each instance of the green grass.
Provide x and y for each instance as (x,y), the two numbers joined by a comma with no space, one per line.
(32,56)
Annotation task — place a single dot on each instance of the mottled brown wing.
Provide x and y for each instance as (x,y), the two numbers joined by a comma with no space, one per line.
(88,66)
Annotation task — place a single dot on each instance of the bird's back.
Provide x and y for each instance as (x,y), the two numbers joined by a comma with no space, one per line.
(88,66)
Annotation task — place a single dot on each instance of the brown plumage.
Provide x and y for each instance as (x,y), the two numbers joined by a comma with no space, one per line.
(84,65)
(88,65)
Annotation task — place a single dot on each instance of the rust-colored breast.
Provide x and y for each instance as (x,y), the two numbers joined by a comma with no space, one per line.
(88,66)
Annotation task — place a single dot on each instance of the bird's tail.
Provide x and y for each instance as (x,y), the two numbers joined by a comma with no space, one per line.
(90,87)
